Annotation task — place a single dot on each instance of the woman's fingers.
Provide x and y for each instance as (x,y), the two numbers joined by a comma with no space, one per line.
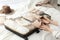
(45,21)
(51,21)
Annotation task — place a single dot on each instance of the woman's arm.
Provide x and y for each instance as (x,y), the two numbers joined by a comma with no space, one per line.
(52,21)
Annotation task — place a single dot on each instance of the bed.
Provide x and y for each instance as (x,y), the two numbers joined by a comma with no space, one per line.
(45,9)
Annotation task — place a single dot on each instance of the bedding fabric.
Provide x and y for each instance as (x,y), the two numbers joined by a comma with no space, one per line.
(24,4)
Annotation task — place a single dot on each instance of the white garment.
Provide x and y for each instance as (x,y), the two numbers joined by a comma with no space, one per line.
(56,34)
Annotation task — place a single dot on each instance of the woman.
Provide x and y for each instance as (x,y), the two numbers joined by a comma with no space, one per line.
(47,28)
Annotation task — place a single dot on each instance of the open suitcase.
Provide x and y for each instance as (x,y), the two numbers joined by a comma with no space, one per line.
(20,30)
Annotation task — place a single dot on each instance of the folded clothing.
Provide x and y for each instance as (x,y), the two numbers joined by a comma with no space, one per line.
(16,27)
(25,22)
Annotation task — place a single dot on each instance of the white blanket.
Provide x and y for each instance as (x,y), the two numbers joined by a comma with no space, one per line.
(20,7)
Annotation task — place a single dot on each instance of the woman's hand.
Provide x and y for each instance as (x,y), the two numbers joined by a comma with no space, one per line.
(45,21)
(46,28)
(51,21)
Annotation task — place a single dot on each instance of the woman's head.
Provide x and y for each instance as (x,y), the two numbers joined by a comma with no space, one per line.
(45,17)
(44,14)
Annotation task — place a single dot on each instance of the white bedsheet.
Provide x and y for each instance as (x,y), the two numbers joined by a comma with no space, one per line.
(7,35)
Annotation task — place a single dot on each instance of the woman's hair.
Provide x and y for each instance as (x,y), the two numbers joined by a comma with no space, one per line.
(44,14)
(6,9)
